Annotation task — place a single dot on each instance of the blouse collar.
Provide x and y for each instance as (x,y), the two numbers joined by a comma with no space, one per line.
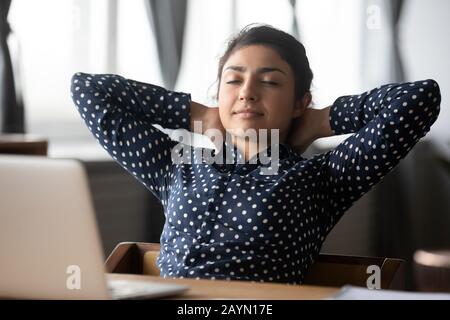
(231,155)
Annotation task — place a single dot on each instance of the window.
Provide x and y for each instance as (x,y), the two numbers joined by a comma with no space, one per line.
(57,38)
(329,29)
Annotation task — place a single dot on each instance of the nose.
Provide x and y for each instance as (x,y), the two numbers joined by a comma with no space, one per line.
(248,92)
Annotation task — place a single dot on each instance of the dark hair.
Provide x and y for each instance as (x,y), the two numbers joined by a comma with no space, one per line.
(289,49)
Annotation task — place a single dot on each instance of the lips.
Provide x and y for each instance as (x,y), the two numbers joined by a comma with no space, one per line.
(247,113)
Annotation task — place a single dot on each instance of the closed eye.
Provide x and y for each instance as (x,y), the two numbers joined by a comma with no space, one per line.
(270,83)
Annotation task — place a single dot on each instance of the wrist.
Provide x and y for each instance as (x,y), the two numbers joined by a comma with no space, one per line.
(324,128)
(198,117)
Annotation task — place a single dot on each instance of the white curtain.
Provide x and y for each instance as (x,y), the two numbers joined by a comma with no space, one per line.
(381,56)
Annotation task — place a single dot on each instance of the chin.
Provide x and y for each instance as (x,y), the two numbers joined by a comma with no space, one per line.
(241,131)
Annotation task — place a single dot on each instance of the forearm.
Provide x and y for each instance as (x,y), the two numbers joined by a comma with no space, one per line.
(394,118)
(120,113)
(390,105)
(109,94)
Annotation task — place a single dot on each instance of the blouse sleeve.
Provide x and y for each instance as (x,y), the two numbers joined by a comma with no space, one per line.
(387,122)
(120,112)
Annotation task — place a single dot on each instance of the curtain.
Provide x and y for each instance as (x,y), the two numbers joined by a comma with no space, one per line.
(411,202)
(294,27)
(381,57)
(11,109)
(397,64)
(167,19)
(381,63)
(393,194)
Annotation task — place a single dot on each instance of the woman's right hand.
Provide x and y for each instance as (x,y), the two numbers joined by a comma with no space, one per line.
(209,118)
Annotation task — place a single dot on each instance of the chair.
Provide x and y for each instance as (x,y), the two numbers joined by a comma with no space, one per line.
(432,270)
(329,270)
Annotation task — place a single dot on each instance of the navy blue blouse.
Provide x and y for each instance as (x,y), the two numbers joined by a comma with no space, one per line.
(230,221)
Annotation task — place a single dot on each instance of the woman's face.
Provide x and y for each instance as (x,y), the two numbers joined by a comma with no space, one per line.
(256,79)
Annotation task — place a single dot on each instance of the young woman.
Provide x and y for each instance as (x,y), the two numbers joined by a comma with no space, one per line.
(229,221)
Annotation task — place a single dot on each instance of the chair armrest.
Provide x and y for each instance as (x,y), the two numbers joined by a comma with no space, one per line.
(339,270)
(128,257)
(122,259)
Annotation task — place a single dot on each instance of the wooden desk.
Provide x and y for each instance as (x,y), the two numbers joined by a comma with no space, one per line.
(26,144)
(221,289)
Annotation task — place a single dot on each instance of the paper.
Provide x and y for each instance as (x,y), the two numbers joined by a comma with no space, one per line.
(358,293)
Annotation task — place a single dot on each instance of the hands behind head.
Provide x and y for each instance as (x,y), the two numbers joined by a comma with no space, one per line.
(311,125)
(208,118)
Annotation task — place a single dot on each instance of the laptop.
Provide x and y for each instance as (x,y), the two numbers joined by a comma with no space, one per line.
(50,246)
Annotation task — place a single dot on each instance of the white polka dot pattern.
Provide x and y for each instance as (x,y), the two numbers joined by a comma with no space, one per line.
(230,221)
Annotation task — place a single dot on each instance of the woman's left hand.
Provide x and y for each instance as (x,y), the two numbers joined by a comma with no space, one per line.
(311,125)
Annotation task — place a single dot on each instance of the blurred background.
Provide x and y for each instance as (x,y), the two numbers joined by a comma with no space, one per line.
(352,45)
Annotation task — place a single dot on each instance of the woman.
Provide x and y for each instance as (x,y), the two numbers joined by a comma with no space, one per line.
(230,221)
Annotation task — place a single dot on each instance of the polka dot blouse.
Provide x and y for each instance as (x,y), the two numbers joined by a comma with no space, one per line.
(230,221)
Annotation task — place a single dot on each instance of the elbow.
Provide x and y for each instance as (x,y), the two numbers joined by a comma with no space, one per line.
(82,90)
(431,86)
(78,77)
(75,82)
(431,91)
(430,98)
(75,87)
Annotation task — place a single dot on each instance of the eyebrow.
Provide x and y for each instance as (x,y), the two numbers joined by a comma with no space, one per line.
(259,70)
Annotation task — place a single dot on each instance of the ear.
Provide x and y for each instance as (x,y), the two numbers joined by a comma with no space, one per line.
(301,105)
